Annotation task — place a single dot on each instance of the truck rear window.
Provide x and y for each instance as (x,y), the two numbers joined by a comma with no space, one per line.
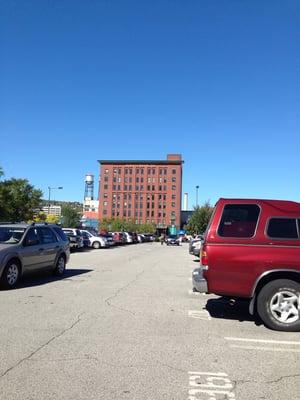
(239,220)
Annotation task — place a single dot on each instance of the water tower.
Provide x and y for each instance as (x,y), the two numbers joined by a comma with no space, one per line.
(89,187)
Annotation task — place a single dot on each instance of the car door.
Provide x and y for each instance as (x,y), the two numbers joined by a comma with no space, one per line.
(32,252)
(50,245)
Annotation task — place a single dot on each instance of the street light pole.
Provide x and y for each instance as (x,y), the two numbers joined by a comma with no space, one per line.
(197,188)
(49,197)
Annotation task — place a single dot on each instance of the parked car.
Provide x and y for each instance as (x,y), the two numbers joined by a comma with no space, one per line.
(192,245)
(141,238)
(172,240)
(96,241)
(197,248)
(26,248)
(128,237)
(85,238)
(252,250)
(109,239)
(75,238)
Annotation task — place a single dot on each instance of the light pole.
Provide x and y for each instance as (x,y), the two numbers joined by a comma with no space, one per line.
(49,189)
(197,188)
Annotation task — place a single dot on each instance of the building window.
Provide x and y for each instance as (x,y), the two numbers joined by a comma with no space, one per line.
(153,171)
(142,180)
(137,171)
(142,171)
(106,178)
(106,171)
(129,213)
(119,187)
(125,187)
(174,179)
(130,171)
(173,196)
(149,180)
(114,179)
(105,203)
(142,187)
(165,188)
(115,171)
(173,171)
(160,187)
(149,171)
(119,171)
(105,187)
(137,179)
(173,187)
(148,188)
(104,212)
(173,204)
(105,196)
(152,213)
(130,187)
(126,170)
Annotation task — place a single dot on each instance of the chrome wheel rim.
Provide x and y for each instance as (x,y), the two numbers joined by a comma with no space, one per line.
(61,265)
(285,307)
(12,274)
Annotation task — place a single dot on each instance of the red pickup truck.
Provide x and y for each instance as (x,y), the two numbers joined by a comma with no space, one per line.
(251,250)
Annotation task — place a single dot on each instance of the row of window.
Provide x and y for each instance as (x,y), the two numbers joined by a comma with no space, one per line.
(150,171)
(138,205)
(240,220)
(139,179)
(129,213)
(128,196)
(160,188)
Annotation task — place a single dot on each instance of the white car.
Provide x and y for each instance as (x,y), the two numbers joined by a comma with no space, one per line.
(128,237)
(96,242)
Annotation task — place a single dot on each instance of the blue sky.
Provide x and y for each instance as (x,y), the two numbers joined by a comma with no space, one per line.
(218,81)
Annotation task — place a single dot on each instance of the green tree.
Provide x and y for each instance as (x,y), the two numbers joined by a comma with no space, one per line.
(52,219)
(70,217)
(1,172)
(200,219)
(18,200)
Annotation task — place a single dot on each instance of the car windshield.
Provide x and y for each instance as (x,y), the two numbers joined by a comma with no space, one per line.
(172,237)
(11,235)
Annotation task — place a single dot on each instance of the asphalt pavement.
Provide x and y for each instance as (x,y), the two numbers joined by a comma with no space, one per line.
(124,324)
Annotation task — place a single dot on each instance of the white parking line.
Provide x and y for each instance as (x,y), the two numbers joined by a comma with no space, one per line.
(192,293)
(199,314)
(283,350)
(262,341)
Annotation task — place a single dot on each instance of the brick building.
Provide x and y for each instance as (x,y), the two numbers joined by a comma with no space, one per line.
(142,191)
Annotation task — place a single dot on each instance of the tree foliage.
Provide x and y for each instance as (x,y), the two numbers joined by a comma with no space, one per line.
(18,200)
(118,224)
(70,217)
(200,219)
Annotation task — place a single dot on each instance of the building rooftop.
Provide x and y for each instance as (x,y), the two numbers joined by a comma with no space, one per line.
(139,162)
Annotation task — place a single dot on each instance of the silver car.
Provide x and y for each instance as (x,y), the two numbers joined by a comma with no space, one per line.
(27,248)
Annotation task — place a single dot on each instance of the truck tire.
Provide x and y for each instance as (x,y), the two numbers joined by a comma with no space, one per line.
(278,305)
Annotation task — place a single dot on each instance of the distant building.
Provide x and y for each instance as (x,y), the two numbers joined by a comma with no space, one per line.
(147,191)
(52,210)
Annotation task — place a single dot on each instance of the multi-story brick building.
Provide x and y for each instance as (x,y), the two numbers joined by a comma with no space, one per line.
(142,191)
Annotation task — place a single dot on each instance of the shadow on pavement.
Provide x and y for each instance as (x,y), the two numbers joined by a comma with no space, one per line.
(44,277)
(221,308)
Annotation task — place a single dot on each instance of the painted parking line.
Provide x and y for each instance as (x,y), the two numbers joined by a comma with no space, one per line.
(216,385)
(283,346)
(199,314)
(262,341)
(261,348)
(192,293)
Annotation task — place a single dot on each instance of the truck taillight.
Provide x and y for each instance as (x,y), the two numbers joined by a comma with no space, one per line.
(204,258)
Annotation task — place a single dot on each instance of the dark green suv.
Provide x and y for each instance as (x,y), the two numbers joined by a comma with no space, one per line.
(27,248)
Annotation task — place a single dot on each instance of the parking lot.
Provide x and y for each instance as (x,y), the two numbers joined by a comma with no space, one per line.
(124,323)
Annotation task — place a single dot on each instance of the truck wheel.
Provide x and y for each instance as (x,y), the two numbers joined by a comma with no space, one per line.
(96,245)
(278,305)
(10,275)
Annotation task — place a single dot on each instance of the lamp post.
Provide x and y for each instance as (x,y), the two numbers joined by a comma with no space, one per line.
(197,188)
(49,189)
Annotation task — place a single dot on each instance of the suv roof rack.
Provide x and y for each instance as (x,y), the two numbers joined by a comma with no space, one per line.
(38,223)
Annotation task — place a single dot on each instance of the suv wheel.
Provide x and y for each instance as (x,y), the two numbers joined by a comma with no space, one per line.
(278,305)
(60,266)
(96,245)
(11,275)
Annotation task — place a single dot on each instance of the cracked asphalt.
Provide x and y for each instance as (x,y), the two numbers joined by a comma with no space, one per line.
(123,325)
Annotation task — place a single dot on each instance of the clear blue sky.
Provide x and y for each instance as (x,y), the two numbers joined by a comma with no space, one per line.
(218,81)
